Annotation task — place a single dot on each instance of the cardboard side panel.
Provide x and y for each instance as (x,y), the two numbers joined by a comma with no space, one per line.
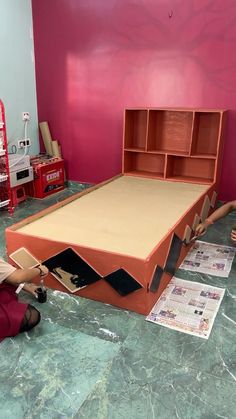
(205,208)
(196,221)
(104,263)
(187,234)
(213,199)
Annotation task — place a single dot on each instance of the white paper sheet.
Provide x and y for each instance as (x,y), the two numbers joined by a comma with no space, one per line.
(189,307)
(211,259)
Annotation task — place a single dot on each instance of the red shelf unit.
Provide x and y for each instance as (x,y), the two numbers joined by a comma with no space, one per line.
(5,191)
(174,144)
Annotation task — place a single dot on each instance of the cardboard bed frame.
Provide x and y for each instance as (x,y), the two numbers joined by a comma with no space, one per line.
(121,241)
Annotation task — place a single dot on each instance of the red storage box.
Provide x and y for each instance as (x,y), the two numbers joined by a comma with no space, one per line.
(48,176)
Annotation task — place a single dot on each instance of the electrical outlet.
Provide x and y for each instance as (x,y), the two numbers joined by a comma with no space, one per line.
(25,116)
(24,143)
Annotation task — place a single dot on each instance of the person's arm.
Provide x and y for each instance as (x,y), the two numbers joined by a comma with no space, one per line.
(26,275)
(215,216)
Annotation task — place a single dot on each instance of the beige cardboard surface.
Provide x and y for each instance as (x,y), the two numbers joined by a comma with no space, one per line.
(196,221)
(47,139)
(213,199)
(205,208)
(187,234)
(23,258)
(55,149)
(129,215)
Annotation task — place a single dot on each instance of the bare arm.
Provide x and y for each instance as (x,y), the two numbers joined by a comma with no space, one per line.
(26,275)
(215,216)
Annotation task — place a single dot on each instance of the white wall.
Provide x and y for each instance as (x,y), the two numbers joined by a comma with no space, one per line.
(17,70)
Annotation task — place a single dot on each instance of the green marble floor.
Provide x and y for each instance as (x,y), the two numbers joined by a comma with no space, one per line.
(88,360)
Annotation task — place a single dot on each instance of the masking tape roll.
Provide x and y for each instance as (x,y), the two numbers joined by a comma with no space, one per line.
(60,150)
(47,139)
(55,149)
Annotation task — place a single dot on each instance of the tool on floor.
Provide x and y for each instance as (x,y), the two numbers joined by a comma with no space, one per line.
(42,290)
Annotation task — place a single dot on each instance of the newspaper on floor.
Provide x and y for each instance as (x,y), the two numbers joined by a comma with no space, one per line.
(189,307)
(211,259)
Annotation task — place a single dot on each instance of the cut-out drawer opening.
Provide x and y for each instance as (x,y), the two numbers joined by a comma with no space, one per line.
(206,134)
(190,169)
(135,129)
(170,131)
(144,163)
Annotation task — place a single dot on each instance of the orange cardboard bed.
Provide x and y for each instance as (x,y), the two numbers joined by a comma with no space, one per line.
(120,242)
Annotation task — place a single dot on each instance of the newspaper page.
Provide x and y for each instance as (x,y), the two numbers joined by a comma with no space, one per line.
(189,307)
(211,259)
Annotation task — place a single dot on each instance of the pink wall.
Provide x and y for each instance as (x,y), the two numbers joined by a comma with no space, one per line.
(96,57)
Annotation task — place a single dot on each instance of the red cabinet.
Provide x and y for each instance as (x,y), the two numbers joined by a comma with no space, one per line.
(5,192)
(174,144)
(48,176)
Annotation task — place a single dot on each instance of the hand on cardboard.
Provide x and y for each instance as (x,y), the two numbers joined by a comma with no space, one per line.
(202,227)
(43,270)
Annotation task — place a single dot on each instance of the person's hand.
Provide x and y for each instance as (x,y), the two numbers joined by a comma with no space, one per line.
(233,235)
(200,229)
(43,269)
(31,289)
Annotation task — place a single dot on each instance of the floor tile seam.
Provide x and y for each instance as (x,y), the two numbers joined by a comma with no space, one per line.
(75,330)
(121,342)
(214,376)
(131,330)
(209,375)
(189,368)
(96,386)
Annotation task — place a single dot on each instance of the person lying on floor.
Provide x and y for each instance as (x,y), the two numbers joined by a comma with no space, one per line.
(17,317)
(215,216)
